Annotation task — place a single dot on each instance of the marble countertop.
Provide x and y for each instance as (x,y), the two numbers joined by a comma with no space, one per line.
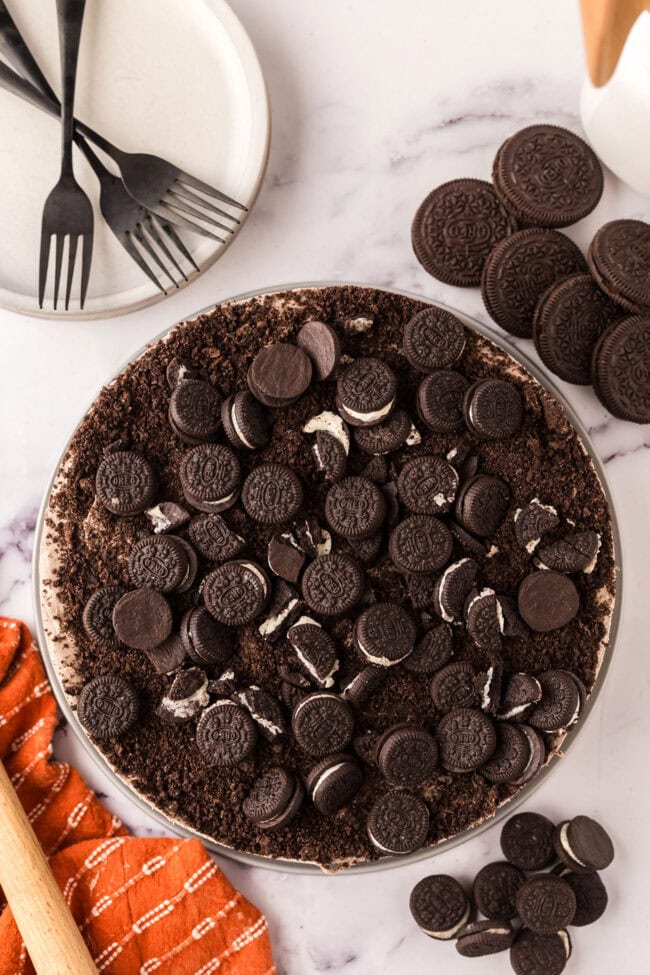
(374,103)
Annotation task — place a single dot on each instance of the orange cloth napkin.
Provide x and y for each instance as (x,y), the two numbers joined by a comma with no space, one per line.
(143,905)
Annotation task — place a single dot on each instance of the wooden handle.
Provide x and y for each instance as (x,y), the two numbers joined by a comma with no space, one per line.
(53,940)
(606,25)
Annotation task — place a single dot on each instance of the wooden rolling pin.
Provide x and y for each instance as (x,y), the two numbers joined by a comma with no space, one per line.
(53,940)
(606,24)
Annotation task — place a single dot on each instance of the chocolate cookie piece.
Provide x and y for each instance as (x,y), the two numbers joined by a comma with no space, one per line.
(466,738)
(194,410)
(537,755)
(620,369)
(377,467)
(521,692)
(107,706)
(272,494)
(440,400)
(583,844)
(125,483)
(142,619)
(210,477)
(206,641)
(334,782)
(322,723)
(420,544)
(284,609)
(433,339)
(520,269)
(432,652)
(547,601)
(482,504)
(365,392)
(545,903)
(484,938)
(236,592)
(321,343)
(315,650)
(265,711)
(212,537)
(495,890)
(427,485)
(467,541)
(398,823)
(363,685)
(407,756)
(366,549)
(332,584)
(576,552)
(591,896)
(484,619)
(158,562)
(440,907)
(452,589)
(178,370)
(420,590)
(187,696)
(167,656)
(365,747)
(533,521)
(226,734)
(619,256)
(559,707)
(527,841)
(456,227)
(384,437)
(355,508)
(97,616)
(330,456)
(547,176)
(285,558)
(513,625)
(493,409)
(385,634)
(294,688)
(454,686)
(167,516)
(269,795)
(279,374)
(510,757)
(244,421)
(540,954)
(569,319)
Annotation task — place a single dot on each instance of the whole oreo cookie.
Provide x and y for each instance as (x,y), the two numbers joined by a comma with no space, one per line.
(545,903)
(194,410)
(520,269)
(332,584)
(244,421)
(510,756)
(559,707)
(355,508)
(619,257)
(125,483)
(236,592)
(495,890)
(407,756)
(420,544)
(527,841)
(440,907)
(456,227)
(540,954)
(210,477)
(493,409)
(334,782)
(427,485)
(482,503)
(398,823)
(440,400)
(269,795)
(432,652)
(433,339)
(322,723)
(97,617)
(272,494)
(466,738)
(365,392)
(583,844)
(208,642)
(279,374)
(226,734)
(142,619)
(385,634)
(547,176)
(481,938)
(158,562)
(547,601)
(383,437)
(591,896)
(620,369)
(212,537)
(107,706)
(454,686)
(569,319)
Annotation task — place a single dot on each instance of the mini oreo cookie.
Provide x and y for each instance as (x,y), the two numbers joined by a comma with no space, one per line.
(315,650)
(510,756)
(125,483)
(433,339)
(210,476)
(269,795)
(206,641)
(527,841)
(385,634)
(454,686)
(547,176)
(440,907)
(484,938)
(226,734)
(194,410)
(420,544)
(532,521)
(495,890)
(407,756)
(366,549)
(520,269)
(332,584)
(591,896)
(272,494)
(456,227)
(432,652)
(398,823)
(547,601)
(583,844)
(322,723)
(569,319)
(560,705)
(107,706)
(142,619)
(482,504)
(493,409)
(384,437)
(97,617)
(158,562)
(620,369)
(466,738)
(619,256)
(333,783)
(365,392)
(484,619)
(355,508)
(452,589)
(540,954)
(279,374)
(321,343)
(427,485)
(244,421)
(440,400)
(576,552)
(545,903)
(236,592)
(213,539)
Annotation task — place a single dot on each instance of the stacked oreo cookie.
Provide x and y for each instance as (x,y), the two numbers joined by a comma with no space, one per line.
(524,909)
(589,318)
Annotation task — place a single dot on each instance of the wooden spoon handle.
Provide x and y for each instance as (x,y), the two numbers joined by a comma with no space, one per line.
(52,938)
(606,24)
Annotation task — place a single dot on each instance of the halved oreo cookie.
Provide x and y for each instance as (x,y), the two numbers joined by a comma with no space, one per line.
(521,693)
(433,651)
(334,782)
(285,559)
(315,650)
(265,711)
(384,437)
(537,756)
(510,756)
(560,705)
(452,589)
(484,619)
(533,521)
(167,516)
(330,456)
(187,696)
(212,537)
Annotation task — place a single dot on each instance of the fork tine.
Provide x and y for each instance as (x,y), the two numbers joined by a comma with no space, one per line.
(46,241)
(175,201)
(72,253)
(150,226)
(166,213)
(173,236)
(86,258)
(58,262)
(198,184)
(185,194)
(134,253)
(144,243)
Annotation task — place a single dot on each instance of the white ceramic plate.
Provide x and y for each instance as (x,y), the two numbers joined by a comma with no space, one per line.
(179,78)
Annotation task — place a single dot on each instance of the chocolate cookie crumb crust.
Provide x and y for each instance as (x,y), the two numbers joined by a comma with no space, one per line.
(85,548)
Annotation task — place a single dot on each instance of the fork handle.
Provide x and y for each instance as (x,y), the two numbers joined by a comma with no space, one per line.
(13,47)
(70,15)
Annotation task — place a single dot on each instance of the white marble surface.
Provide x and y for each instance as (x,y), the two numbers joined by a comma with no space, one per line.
(374,103)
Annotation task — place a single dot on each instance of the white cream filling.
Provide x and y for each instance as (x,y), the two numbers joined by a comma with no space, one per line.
(238,429)
(452,568)
(450,932)
(325,681)
(513,712)
(273,729)
(324,547)
(493,551)
(500,620)
(380,661)
(566,846)
(360,324)
(304,621)
(158,520)
(566,943)
(485,694)
(272,623)
(228,675)
(256,572)
(534,542)
(221,501)
(374,416)
(414,438)
(187,707)
(322,779)
(332,423)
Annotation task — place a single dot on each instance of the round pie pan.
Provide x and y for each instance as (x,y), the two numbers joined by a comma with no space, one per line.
(53,663)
